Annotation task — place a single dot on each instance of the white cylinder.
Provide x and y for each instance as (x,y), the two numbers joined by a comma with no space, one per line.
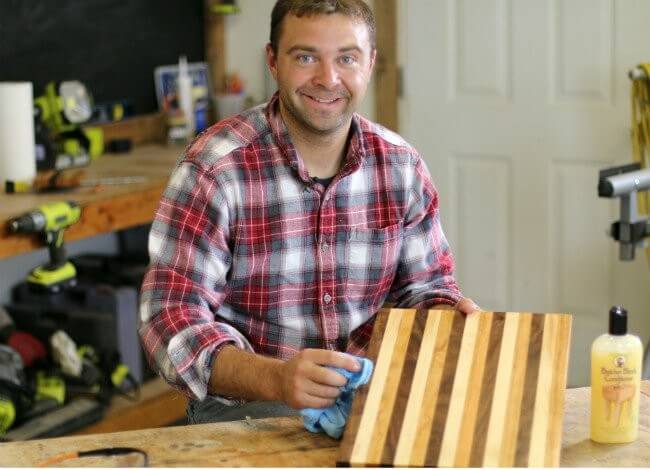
(17,147)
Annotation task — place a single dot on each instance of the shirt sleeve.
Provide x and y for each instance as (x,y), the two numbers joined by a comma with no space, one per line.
(185,283)
(425,274)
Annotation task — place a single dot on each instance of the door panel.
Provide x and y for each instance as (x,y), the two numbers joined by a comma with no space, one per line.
(515,105)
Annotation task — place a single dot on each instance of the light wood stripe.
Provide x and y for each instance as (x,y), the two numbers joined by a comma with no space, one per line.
(358,404)
(487,390)
(379,376)
(444,392)
(430,402)
(391,388)
(542,401)
(516,393)
(459,393)
(501,392)
(561,364)
(530,391)
(413,407)
(473,401)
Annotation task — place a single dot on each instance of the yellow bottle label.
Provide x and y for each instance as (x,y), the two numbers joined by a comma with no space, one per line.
(615,396)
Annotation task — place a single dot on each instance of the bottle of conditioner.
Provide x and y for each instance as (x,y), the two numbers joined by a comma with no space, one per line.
(615,379)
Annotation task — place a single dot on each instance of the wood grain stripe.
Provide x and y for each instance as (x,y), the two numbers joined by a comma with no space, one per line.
(429,402)
(501,391)
(444,393)
(354,419)
(513,412)
(539,430)
(487,390)
(420,377)
(391,387)
(530,389)
(473,401)
(371,409)
(459,393)
(561,364)
(406,384)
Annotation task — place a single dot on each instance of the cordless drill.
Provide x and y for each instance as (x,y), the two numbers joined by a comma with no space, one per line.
(50,220)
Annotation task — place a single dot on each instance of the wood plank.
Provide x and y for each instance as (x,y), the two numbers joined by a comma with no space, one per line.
(516,362)
(215,46)
(386,69)
(283,442)
(140,130)
(104,208)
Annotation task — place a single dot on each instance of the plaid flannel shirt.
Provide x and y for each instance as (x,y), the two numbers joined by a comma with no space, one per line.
(247,249)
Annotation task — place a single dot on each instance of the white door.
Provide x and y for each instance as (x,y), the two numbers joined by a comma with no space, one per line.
(515,105)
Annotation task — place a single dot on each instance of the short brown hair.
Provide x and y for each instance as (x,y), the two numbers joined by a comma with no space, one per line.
(357,9)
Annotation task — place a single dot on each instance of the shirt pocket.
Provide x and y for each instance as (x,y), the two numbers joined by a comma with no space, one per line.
(370,258)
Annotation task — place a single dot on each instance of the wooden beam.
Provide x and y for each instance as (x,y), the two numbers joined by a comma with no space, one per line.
(386,69)
(215,46)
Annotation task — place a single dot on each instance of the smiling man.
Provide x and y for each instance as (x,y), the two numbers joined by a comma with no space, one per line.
(283,230)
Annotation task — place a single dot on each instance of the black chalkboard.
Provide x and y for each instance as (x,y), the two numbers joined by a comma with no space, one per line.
(112,46)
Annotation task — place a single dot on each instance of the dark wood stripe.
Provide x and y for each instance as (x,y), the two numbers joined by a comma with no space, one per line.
(354,418)
(486,393)
(530,391)
(404,390)
(446,386)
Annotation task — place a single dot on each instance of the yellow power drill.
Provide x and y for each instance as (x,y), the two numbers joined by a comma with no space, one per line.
(51,220)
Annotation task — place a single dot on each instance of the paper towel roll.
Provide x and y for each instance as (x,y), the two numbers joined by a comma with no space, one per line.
(17,149)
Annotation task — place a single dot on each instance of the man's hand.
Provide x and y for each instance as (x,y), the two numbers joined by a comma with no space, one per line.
(308,383)
(466,306)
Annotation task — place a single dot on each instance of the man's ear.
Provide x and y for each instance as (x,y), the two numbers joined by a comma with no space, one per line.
(271,61)
(373,59)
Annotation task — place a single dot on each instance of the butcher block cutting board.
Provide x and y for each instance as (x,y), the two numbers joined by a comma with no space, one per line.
(485,390)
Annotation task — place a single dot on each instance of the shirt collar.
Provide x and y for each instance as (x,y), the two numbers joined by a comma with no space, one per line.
(351,162)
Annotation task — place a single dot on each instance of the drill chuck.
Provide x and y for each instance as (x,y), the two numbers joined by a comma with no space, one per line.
(32,222)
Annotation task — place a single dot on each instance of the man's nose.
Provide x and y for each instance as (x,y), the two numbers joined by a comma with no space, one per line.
(328,75)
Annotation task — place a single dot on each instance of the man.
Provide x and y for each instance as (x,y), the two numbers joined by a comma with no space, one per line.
(284,230)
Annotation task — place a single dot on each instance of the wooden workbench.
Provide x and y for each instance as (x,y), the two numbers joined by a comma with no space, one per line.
(276,442)
(104,208)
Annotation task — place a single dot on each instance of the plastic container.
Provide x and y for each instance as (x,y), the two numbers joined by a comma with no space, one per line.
(616,363)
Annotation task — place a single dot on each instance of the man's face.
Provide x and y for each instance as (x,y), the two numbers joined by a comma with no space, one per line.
(323,66)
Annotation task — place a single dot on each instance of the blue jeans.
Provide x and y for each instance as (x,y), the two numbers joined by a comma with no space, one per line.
(212,411)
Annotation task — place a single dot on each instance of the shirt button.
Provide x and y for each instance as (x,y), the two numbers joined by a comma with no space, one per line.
(327,298)
(324,246)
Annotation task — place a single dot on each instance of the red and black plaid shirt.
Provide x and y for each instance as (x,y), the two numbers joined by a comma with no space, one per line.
(247,249)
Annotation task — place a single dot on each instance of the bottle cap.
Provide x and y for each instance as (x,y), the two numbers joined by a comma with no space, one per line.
(617,321)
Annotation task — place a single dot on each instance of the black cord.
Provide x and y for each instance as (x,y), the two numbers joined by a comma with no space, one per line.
(111,451)
(105,451)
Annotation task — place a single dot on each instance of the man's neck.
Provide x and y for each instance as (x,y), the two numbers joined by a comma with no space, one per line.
(321,154)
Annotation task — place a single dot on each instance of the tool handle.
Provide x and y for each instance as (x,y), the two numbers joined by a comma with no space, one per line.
(54,240)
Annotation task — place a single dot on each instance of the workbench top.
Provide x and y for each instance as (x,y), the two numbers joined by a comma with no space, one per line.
(104,208)
(277,442)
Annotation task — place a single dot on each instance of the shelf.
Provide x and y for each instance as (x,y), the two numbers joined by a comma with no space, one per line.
(104,208)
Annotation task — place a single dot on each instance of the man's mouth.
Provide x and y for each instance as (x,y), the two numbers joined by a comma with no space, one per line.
(323,100)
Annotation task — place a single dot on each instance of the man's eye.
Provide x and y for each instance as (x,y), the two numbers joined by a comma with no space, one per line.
(305,58)
(348,60)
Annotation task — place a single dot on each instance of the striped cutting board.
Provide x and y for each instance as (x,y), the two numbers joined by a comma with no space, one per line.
(451,391)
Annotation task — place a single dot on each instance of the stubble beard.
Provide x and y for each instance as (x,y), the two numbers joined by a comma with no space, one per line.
(301,117)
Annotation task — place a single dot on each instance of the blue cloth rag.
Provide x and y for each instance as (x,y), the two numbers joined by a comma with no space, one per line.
(332,420)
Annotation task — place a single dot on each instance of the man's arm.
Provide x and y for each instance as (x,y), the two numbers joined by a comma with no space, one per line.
(185,283)
(302,382)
